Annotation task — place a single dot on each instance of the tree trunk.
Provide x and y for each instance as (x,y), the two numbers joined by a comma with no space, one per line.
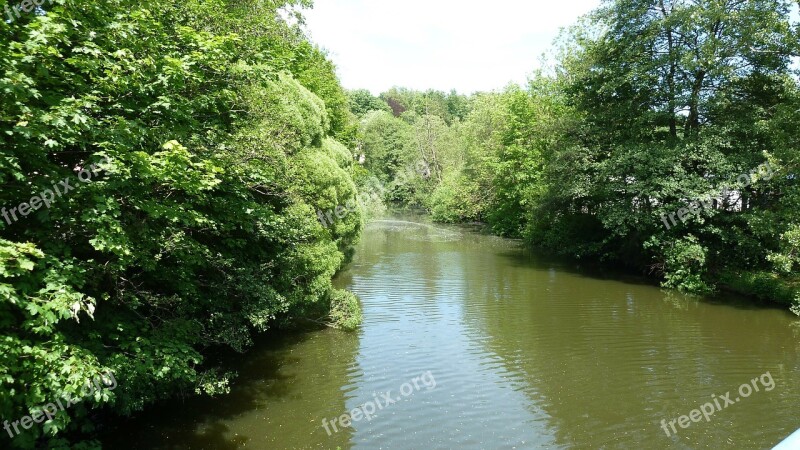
(693,122)
(673,66)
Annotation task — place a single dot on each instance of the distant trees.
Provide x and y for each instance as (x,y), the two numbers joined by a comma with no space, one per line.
(652,103)
(449,106)
(407,145)
(362,101)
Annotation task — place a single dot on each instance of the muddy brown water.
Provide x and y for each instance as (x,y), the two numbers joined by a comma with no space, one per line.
(471,342)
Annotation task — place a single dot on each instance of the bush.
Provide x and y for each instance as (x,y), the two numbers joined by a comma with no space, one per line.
(201,231)
(685,266)
(345,310)
(765,286)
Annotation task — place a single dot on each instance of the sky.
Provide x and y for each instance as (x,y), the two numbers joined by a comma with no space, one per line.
(439,44)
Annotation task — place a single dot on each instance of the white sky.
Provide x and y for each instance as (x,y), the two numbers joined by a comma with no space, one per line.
(467,45)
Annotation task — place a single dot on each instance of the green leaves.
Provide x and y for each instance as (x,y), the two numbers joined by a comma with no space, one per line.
(201,229)
(789,256)
(652,106)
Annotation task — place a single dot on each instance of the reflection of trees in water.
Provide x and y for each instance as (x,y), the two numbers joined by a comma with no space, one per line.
(679,301)
(607,360)
(417,231)
(287,384)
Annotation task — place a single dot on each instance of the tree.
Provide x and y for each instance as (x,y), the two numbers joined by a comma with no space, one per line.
(362,101)
(197,161)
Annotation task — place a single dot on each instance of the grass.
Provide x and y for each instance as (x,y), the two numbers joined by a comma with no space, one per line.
(764,286)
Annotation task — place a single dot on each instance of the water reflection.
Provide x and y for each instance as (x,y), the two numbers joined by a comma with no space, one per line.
(526,353)
(286,385)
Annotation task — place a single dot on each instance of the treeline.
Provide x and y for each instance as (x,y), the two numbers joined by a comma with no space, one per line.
(198,138)
(639,145)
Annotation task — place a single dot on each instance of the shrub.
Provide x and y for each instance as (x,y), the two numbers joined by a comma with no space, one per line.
(686,266)
(345,310)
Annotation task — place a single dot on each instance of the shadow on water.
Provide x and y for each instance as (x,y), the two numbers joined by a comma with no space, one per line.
(602,356)
(527,257)
(272,385)
(527,351)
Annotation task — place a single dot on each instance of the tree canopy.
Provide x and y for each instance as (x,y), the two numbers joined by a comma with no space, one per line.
(212,127)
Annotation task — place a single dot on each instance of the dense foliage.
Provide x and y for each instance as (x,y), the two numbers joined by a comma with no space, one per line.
(631,147)
(210,130)
(164,165)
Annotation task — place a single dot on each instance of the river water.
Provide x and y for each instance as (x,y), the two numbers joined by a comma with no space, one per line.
(471,342)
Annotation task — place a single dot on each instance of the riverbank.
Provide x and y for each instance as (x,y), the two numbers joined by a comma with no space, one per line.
(759,287)
(762,286)
(526,351)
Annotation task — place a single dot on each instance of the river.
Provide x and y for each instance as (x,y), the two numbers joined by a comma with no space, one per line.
(470,341)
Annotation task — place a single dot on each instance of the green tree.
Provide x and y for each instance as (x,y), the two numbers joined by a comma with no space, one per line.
(362,101)
(199,227)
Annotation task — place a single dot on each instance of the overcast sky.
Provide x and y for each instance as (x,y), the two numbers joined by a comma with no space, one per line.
(441,44)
